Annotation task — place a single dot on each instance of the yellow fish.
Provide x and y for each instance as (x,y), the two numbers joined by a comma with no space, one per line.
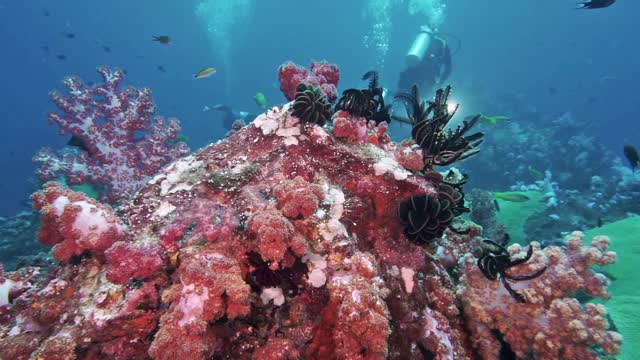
(204,73)
(511,196)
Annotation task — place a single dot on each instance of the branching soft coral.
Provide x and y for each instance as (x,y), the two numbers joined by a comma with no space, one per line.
(551,324)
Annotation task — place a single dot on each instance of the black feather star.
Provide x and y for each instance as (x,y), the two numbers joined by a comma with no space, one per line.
(425,218)
(429,119)
(368,103)
(310,106)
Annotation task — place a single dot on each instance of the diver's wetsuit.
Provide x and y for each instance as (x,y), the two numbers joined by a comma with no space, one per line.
(434,68)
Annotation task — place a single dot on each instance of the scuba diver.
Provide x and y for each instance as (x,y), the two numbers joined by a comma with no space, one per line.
(428,62)
(230,115)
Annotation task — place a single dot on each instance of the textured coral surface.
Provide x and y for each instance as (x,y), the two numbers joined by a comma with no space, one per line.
(279,242)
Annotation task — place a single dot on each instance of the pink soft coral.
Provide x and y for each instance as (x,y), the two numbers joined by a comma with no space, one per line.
(124,144)
(323,75)
(298,198)
(551,323)
(74,223)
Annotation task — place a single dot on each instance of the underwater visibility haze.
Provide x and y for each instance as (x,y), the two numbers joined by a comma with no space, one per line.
(277,179)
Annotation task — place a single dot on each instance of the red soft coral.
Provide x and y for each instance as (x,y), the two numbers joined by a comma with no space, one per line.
(273,232)
(75,223)
(298,198)
(323,75)
(134,260)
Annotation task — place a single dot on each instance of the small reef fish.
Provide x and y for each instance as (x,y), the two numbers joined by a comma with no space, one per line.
(496,205)
(261,100)
(179,138)
(535,173)
(162,39)
(205,73)
(595,4)
(632,156)
(68,35)
(511,196)
(493,120)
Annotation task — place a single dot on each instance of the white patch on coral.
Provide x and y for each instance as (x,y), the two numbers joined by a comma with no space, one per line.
(337,203)
(164,209)
(320,214)
(174,173)
(180,187)
(291,140)
(407,278)
(316,263)
(319,134)
(341,279)
(16,329)
(394,271)
(267,122)
(431,328)
(238,169)
(317,278)
(331,229)
(5,287)
(355,296)
(390,165)
(273,293)
(290,130)
(191,304)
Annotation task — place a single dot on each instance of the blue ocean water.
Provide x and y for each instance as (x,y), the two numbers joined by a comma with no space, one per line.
(548,55)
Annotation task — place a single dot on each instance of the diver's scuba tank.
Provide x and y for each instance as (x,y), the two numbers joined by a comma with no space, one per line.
(420,46)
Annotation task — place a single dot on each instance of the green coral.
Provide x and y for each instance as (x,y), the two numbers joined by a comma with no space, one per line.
(623,305)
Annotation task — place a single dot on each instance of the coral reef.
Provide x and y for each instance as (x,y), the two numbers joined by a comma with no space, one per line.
(526,148)
(283,241)
(121,144)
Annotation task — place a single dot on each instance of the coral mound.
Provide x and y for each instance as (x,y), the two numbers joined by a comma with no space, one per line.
(281,241)
(323,75)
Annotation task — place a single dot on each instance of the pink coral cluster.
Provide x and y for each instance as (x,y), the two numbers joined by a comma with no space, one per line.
(134,260)
(353,128)
(298,198)
(551,323)
(323,75)
(75,223)
(123,144)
